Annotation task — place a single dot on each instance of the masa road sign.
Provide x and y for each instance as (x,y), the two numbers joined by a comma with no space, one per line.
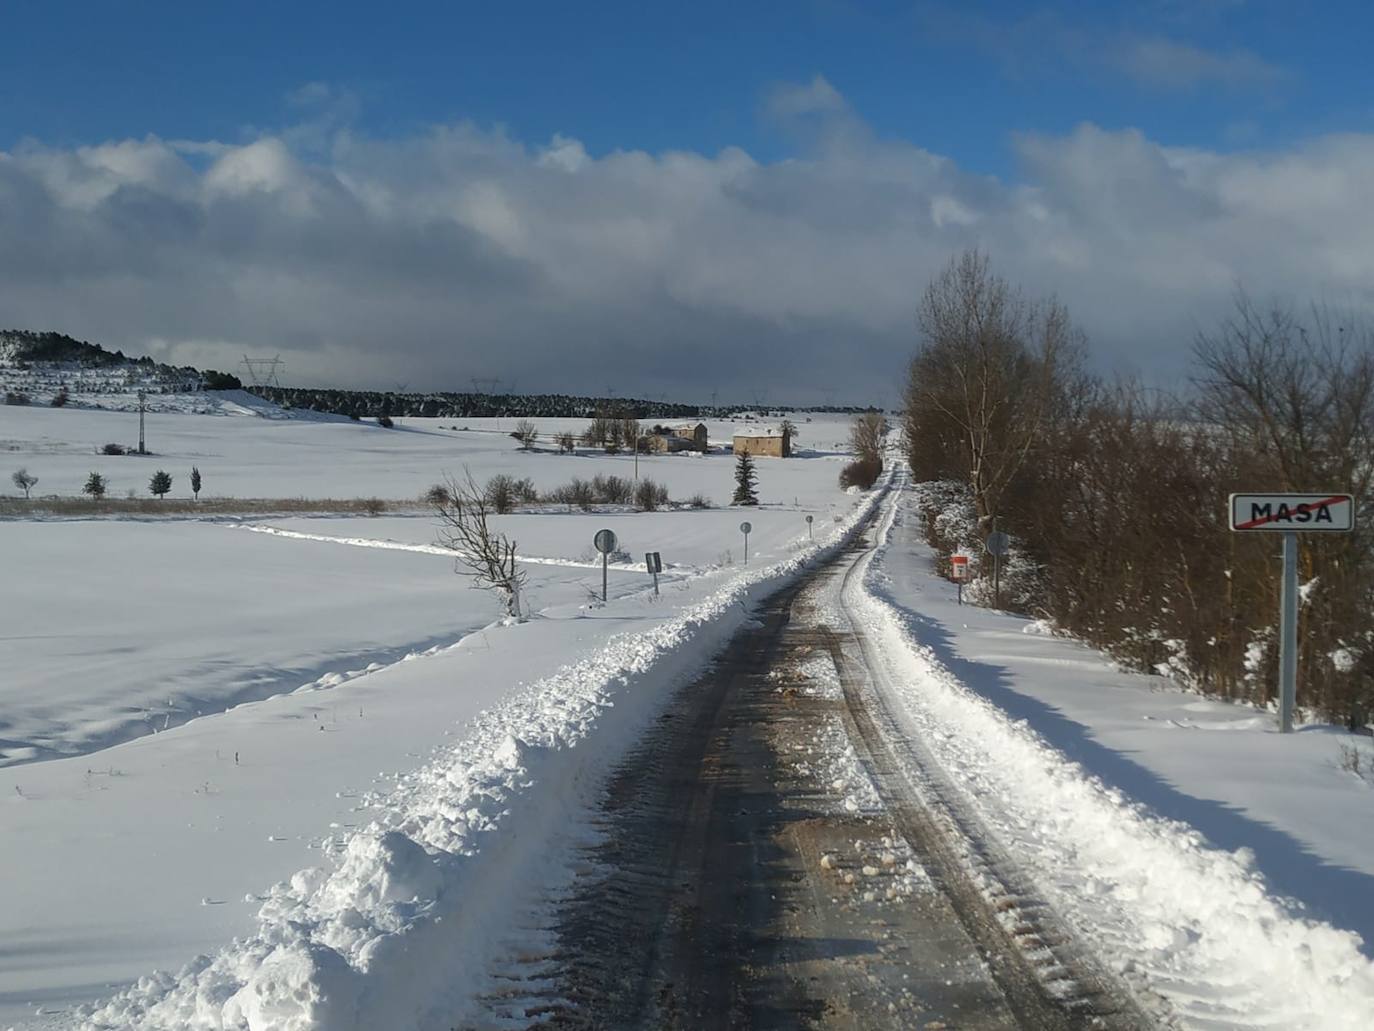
(1291,514)
(1271,513)
(958,567)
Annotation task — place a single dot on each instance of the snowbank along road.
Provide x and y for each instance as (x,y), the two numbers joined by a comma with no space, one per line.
(776,853)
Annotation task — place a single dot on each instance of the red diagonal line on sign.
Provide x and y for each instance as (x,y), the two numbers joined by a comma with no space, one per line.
(1306,506)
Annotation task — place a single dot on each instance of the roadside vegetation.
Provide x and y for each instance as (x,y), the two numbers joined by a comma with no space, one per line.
(1116,495)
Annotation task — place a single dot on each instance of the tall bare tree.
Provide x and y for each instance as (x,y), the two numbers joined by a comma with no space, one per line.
(984,378)
(482,552)
(866,436)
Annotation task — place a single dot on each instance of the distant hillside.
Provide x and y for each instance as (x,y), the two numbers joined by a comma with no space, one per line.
(55,369)
(43,368)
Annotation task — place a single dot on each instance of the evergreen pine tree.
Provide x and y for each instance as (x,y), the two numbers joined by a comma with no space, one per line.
(195,482)
(95,486)
(745,480)
(160,484)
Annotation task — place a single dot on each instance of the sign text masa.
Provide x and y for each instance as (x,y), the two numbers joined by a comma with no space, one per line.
(1333,513)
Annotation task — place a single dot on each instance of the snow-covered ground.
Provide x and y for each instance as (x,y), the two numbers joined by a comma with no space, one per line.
(244,454)
(1211,859)
(329,662)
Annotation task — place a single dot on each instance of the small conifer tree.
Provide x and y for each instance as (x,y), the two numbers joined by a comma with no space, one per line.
(745,480)
(195,482)
(160,484)
(95,486)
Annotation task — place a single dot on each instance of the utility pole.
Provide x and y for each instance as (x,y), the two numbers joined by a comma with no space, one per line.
(142,407)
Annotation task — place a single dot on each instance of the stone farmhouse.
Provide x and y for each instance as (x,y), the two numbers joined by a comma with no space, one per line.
(764,442)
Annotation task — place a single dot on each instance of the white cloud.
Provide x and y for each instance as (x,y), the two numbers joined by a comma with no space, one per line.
(461,252)
(817,97)
(1173,65)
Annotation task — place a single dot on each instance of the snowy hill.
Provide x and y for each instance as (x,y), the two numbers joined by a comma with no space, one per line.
(54,369)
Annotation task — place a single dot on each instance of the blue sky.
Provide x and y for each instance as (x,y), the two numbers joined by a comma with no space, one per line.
(955,79)
(531,190)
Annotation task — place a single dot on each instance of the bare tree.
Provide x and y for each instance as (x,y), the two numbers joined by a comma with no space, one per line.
(984,379)
(24,480)
(566,442)
(526,433)
(483,553)
(866,435)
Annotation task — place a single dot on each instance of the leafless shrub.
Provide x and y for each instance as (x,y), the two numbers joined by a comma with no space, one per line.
(613,490)
(862,473)
(566,442)
(650,496)
(499,493)
(526,433)
(483,553)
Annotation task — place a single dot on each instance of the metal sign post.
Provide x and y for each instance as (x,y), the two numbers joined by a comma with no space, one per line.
(958,571)
(604,542)
(809,521)
(998,544)
(1290,514)
(744,528)
(655,566)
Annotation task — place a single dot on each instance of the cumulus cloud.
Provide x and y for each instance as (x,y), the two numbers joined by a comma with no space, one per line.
(463,252)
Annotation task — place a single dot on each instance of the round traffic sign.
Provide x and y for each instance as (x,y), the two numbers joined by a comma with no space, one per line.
(605,541)
(745,527)
(810,519)
(998,543)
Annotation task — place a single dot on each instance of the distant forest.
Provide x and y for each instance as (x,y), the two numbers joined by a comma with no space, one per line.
(455,405)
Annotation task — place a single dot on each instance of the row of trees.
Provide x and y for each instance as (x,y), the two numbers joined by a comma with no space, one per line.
(96,485)
(476,405)
(1117,494)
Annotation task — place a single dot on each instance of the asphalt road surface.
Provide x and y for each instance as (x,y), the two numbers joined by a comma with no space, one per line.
(731,886)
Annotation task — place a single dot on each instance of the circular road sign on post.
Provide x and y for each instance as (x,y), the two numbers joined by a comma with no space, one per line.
(809,520)
(744,528)
(604,542)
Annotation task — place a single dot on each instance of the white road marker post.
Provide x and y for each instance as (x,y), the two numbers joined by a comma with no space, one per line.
(1291,514)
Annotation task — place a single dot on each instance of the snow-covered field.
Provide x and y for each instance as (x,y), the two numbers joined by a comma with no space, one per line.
(242,454)
(195,710)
